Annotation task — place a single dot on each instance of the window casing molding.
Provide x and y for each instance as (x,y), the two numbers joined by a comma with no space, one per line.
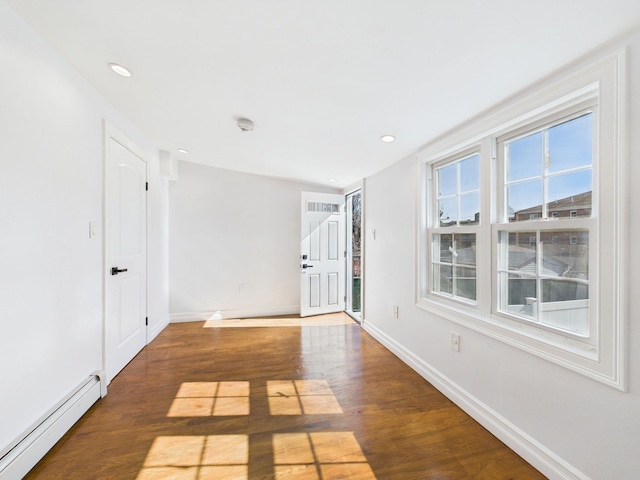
(599,87)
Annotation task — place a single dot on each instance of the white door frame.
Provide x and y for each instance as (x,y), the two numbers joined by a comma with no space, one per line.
(357,316)
(110,132)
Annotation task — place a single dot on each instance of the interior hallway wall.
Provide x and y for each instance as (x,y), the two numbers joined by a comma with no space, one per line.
(234,243)
(51,184)
(590,426)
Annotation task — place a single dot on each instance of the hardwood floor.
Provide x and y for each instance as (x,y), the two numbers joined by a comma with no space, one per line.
(323,401)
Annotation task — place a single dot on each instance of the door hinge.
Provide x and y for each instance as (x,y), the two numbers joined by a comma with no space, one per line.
(146,321)
(146,186)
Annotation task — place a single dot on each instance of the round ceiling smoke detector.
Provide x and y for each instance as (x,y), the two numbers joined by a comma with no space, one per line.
(245,124)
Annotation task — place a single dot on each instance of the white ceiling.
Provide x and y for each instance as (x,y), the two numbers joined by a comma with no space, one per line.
(322,80)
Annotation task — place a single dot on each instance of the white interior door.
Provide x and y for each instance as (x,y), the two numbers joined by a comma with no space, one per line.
(322,262)
(126,256)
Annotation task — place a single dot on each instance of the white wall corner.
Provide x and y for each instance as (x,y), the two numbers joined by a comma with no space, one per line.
(169,165)
(540,457)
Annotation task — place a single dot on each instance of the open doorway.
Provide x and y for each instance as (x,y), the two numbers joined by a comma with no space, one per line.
(353,305)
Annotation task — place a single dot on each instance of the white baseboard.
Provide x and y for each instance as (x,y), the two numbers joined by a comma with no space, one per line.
(155,330)
(543,459)
(189,317)
(235,313)
(34,444)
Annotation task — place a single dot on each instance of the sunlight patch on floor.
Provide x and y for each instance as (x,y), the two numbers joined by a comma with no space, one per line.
(206,399)
(297,397)
(296,456)
(197,458)
(319,455)
(313,456)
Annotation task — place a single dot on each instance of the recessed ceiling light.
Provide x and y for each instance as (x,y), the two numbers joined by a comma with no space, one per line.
(333,180)
(120,70)
(182,150)
(387,138)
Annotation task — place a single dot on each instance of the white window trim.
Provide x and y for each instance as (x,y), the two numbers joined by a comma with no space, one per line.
(605,361)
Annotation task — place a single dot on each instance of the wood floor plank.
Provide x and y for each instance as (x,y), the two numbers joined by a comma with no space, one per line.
(195,403)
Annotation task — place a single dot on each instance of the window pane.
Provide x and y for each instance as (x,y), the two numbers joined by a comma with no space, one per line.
(521,254)
(443,248)
(562,276)
(448,212)
(524,157)
(470,208)
(570,145)
(563,291)
(565,305)
(447,180)
(569,192)
(465,251)
(523,200)
(443,279)
(519,296)
(454,263)
(565,254)
(465,282)
(470,174)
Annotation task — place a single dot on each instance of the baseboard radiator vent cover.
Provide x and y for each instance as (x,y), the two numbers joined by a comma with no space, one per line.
(28,449)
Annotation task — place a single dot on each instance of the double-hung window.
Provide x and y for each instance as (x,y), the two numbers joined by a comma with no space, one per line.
(457,212)
(543,267)
(522,223)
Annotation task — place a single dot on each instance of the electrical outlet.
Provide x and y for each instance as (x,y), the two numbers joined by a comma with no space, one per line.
(242,288)
(395,311)
(455,341)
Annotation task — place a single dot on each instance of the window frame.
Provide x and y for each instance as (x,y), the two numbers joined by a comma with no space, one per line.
(588,104)
(452,229)
(603,356)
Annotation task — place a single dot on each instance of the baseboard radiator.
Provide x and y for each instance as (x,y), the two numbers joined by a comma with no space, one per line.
(28,449)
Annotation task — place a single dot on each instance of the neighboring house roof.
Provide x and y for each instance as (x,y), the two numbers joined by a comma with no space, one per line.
(574,202)
(558,260)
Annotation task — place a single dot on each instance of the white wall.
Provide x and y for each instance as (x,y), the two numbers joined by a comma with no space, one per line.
(227,229)
(51,183)
(589,426)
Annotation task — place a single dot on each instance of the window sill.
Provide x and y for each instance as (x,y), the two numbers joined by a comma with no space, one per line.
(554,347)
